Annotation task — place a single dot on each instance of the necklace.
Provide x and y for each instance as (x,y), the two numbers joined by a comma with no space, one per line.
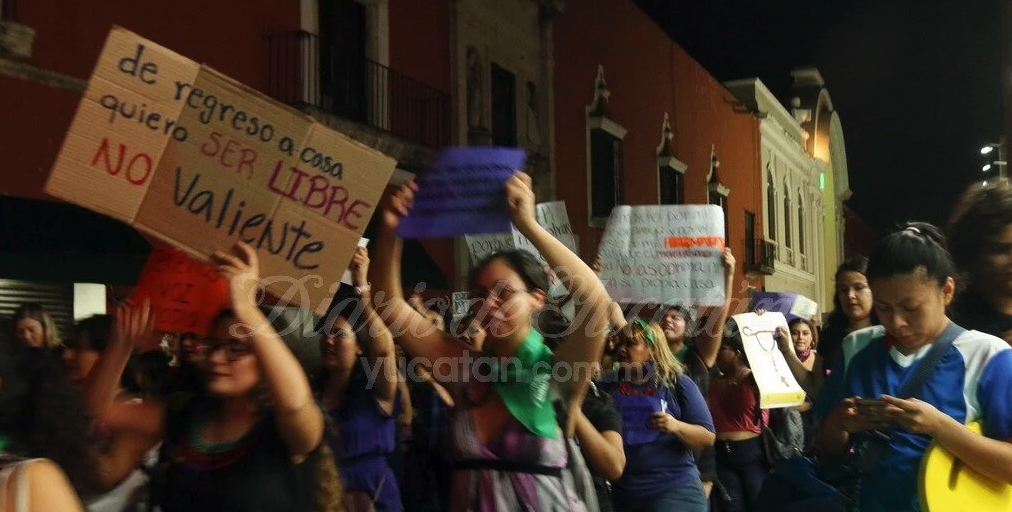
(748,331)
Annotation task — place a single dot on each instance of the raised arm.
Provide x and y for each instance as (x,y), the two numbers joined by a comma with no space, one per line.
(131,325)
(299,420)
(582,346)
(810,381)
(708,340)
(379,346)
(413,331)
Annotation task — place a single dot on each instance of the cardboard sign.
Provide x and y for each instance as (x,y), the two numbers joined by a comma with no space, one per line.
(551,216)
(464,193)
(664,254)
(185,294)
(200,161)
(777,386)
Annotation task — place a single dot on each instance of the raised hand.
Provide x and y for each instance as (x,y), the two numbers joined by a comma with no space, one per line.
(133,325)
(360,267)
(396,203)
(241,268)
(520,198)
(727,259)
(784,341)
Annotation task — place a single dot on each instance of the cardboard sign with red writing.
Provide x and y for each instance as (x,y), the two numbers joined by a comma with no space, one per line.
(185,294)
(200,161)
(664,254)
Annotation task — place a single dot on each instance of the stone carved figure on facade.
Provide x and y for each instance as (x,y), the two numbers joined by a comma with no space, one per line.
(475,89)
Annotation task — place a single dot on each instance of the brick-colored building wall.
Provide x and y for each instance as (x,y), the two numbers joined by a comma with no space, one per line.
(648,74)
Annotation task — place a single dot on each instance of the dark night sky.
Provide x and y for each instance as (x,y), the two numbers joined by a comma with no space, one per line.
(916,83)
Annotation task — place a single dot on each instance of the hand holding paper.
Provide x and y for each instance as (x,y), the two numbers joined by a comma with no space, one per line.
(396,203)
(520,198)
(360,267)
(463,193)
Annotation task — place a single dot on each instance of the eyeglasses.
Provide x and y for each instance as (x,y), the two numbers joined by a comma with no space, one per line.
(338,333)
(503,293)
(234,350)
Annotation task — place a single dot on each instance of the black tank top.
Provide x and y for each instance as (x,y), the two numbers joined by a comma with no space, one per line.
(255,473)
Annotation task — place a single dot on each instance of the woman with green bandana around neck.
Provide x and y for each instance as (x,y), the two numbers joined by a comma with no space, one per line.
(508,449)
(664,419)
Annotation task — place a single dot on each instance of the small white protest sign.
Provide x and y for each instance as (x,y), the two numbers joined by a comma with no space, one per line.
(777,386)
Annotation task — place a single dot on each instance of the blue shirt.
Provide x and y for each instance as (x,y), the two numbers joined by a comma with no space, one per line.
(972,382)
(660,461)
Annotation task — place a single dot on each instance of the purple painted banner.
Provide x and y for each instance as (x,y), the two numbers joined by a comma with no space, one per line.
(463,193)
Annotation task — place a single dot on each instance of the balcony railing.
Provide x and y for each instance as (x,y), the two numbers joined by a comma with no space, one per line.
(306,70)
(760,256)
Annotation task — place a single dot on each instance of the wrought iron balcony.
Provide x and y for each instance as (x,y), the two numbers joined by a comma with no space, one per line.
(306,70)
(760,256)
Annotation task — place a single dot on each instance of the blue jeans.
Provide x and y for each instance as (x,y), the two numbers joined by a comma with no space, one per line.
(685,498)
(741,471)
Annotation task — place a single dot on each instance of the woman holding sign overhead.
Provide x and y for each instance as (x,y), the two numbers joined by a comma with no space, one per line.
(508,449)
(251,440)
(664,418)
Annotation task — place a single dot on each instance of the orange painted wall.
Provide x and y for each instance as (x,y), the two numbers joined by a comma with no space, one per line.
(420,49)
(225,34)
(648,75)
(420,41)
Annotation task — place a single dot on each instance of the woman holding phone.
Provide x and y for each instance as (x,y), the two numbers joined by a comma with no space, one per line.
(911,276)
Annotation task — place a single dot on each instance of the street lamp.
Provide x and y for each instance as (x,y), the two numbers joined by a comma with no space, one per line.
(992,160)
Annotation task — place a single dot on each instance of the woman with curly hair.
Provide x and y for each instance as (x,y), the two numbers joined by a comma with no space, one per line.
(45,444)
(664,418)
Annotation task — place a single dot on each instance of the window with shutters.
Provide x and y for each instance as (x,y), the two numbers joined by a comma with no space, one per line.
(605,172)
(604,156)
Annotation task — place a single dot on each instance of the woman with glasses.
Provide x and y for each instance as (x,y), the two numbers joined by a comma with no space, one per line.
(363,405)
(664,419)
(508,449)
(251,439)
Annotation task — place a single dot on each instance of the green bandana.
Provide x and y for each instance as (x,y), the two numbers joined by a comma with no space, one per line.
(523,385)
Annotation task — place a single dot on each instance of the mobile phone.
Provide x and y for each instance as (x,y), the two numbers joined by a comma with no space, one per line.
(865,404)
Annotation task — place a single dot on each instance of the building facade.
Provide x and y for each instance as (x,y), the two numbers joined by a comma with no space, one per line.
(356,65)
(638,121)
(792,203)
(812,105)
(502,55)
